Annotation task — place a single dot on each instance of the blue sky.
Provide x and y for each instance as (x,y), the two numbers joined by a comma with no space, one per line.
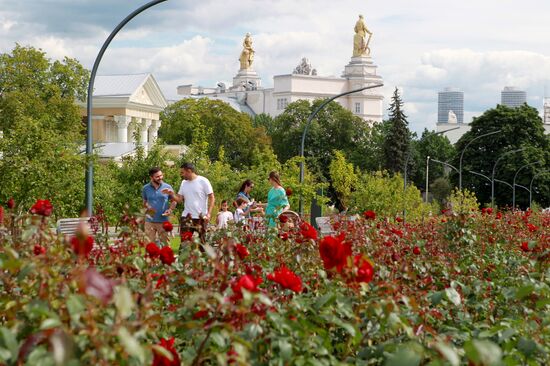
(420,46)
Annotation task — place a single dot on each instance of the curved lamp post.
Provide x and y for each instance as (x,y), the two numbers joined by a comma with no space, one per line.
(494,172)
(308,122)
(514,183)
(462,155)
(531,185)
(444,163)
(89,127)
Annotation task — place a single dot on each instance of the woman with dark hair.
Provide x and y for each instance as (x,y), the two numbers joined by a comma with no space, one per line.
(244,194)
(277,201)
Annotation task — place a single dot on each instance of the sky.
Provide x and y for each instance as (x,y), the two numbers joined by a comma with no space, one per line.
(419,46)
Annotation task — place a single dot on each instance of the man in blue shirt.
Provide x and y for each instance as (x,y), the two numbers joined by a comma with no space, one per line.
(158,206)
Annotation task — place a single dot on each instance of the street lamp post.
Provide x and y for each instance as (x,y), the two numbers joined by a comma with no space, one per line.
(462,155)
(494,172)
(89,126)
(531,186)
(444,163)
(308,122)
(514,183)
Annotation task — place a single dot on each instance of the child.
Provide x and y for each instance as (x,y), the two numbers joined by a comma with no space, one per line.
(224,216)
(240,215)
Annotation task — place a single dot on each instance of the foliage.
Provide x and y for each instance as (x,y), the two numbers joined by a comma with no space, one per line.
(463,202)
(40,153)
(396,143)
(521,128)
(343,178)
(440,189)
(383,194)
(221,125)
(470,289)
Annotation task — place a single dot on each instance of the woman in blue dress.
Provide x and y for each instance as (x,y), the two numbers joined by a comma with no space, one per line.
(277,201)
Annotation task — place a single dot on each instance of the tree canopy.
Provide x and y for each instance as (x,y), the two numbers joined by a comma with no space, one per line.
(397,141)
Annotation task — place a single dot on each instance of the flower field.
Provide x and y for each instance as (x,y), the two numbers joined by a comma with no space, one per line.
(449,290)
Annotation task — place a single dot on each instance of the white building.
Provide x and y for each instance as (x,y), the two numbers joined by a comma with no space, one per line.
(125,112)
(546,115)
(247,94)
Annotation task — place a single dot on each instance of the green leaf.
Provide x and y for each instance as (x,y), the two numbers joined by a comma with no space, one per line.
(131,345)
(483,352)
(524,291)
(436,297)
(285,349)
(449,353)
(124,301)
(75,306)
(50,323)
(405,356)
(527,346)
(9,341)
(453,296)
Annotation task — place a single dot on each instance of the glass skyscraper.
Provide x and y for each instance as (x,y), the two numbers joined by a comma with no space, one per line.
(450,99)
(512,97)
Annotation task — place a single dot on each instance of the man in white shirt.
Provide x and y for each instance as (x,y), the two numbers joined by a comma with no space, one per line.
(198,197)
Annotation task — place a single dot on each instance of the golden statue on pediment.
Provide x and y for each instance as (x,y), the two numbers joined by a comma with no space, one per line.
(360,40)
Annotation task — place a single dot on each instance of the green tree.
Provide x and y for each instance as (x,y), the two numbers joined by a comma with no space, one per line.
(436,147)
(222,127)
(440,189)
(521,128)
(343,179)
(42,127)
(397,141)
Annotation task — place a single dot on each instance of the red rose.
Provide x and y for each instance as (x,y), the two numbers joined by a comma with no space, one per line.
(288,192)
(10,203)
(532,228)
(308,231)
(525,246)
(153,250)
(370,215)
(160,359)
(286,278)
(247,282)
(397,232)
(82,244)
(399,219)
(242,251)
(283,236)
(39,249)
(186,236)
(42,207)
(1,215)
(363,269)
(416,250)
(167,255)
(200,314)
(167,226)
(283,219)
(334,252)
(498,216)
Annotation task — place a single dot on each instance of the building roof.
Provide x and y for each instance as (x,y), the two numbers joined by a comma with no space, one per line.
(232,101)
(118,85)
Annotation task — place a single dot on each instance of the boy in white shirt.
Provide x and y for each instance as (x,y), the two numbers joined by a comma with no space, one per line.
(240,215)
(224,216)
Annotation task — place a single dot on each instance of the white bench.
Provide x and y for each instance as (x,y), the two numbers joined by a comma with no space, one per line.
(69,226)
(324,225)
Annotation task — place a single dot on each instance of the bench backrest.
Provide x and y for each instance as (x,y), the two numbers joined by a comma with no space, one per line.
(69,226)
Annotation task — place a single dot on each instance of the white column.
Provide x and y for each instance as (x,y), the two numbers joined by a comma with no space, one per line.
(122,123)
(145,124)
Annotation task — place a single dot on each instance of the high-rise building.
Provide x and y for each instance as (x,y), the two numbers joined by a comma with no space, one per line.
(513,97)
(546,111)
(450,100)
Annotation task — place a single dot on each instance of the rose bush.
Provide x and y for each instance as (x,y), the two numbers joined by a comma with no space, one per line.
(454,289)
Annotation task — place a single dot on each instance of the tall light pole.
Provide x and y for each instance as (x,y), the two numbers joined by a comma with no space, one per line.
(531,185)
(494,172)
(514,183)
(462,155)
(428,161)
(89,126)
(445,163)
(308,122)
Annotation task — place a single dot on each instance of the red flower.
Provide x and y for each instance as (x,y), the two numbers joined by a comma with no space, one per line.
(39,249)
(308,231)
(42,207)
(288,192)
(369,215)
(334,252)
(486,211)
(1,215)
(242,251)
(167,255)
(160,359)
(283,219)
(525,246)
(95,284)
(416,250)
(498,216)
(167,226)
(247,282)
(82,244)
(200,314)
(283,236)
(153,250)
(532,228)
(10,203)
(397,232)
(399,219)
(286,278)
(187,236)
(364,271)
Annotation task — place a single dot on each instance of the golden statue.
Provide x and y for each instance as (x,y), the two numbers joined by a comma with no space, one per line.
(247,54)
(360,41)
